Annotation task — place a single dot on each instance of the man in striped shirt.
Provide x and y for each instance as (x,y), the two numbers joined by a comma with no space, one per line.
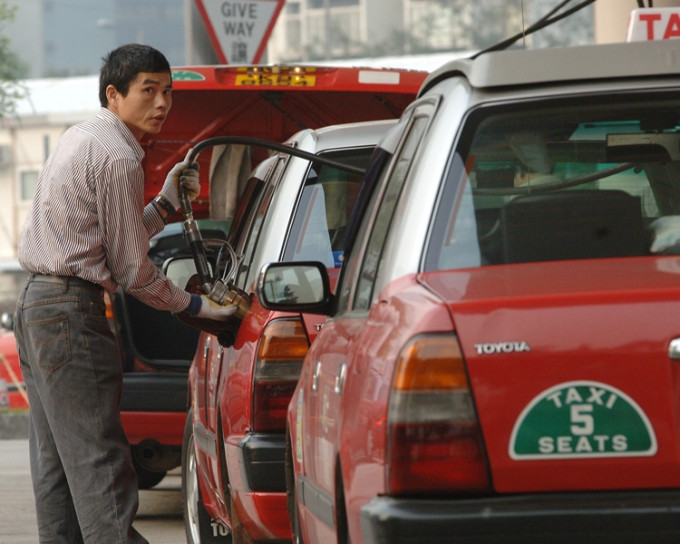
(87,232)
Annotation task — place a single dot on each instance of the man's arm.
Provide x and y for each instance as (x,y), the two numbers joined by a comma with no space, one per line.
(126,233)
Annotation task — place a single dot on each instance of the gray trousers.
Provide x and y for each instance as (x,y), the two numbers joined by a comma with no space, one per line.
(83,479)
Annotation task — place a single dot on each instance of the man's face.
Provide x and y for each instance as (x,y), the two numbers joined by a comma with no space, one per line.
(146,104)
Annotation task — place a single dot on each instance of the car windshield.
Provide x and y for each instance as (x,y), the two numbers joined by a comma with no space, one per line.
(565,180)
(318,229)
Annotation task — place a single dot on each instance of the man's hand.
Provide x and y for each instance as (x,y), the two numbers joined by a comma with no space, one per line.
(182,175)
(212,310)
(666,234)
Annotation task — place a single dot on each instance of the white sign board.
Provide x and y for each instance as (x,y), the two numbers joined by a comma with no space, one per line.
(239,30)
(653,24)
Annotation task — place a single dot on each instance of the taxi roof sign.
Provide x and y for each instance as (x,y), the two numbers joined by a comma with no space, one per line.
(239,30)
(647,24)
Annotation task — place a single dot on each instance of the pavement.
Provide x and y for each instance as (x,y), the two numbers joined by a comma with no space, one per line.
(159,518)
(13,425)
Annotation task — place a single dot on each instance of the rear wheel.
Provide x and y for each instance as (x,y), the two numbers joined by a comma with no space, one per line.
(146,479)
(200,529)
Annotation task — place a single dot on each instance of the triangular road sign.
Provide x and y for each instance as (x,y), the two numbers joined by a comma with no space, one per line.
(239,30)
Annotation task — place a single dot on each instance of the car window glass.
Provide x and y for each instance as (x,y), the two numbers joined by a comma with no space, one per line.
(247,201)
(565,181)
(384,215)
(356,230)
(249,238)
(318,227)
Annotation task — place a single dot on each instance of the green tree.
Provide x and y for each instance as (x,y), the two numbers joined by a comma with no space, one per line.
(11,68)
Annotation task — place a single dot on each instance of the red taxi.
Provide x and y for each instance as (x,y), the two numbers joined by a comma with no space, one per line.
(240,386)
(12,389)
(233,467)
(270,102)
(500,360)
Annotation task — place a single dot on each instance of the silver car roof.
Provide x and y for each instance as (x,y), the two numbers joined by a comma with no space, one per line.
(583,63)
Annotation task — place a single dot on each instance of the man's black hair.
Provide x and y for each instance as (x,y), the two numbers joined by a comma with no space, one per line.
(122,65)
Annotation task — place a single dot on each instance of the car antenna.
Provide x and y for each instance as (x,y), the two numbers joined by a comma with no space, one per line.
(543,22)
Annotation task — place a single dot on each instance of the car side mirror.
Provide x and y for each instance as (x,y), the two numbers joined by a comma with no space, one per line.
(179,270)
(295,287)
(7,321)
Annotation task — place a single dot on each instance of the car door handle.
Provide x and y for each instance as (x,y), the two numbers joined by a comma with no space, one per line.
(315,376)
(674,348)
(340,378)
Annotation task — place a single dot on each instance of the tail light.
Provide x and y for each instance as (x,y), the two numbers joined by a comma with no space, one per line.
(283,345)
(434,441)
(108,306)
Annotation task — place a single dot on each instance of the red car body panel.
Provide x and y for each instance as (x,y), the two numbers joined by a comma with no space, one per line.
(10,372)
(558,309)
(501,363)
(159,426)
(269,102)
(264,515)
(221,379)
(577,320)
(367,344)
(256,102)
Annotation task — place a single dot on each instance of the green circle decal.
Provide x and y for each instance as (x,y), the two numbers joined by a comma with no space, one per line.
(582,419)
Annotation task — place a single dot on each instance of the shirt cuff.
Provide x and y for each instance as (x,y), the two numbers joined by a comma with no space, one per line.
(194,306)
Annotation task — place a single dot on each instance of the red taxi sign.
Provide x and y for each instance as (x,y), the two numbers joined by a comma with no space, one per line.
(653,24)
(239,30)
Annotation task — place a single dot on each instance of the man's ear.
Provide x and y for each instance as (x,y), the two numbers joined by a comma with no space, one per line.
(112,94)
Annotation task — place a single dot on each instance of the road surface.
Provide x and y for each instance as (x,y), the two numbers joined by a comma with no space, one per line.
(159,517)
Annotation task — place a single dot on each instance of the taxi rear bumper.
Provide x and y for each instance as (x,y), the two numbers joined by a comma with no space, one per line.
(639,516)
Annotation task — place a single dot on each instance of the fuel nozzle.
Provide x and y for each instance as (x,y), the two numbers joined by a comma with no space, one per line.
(226,293)
(193,237)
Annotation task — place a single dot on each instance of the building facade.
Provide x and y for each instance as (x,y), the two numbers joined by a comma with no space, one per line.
(313,30)
(26,139)
(307,31)
(61,38)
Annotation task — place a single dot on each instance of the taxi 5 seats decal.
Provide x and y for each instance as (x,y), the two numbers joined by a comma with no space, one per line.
(582,419)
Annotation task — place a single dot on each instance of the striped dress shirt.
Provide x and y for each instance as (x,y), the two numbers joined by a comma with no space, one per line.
(88,217)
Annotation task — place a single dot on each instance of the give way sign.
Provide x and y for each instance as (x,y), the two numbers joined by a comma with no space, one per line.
(239,30)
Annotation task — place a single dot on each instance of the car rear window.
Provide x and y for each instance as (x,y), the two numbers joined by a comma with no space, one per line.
(587,179)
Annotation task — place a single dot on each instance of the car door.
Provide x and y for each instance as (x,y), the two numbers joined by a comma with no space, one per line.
(347,343)
(230,397)
(214,355)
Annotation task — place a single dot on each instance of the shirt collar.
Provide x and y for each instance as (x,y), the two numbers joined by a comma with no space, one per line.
(110,117)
